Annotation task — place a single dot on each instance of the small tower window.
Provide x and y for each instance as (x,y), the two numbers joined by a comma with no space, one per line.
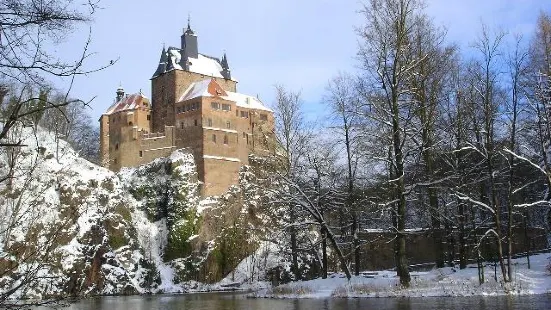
(228,124)
(182,125)
(148,117)
(209,121)
(116,146)
(141,154)
(214,138)
(195,122)
(225,139)
(130,124)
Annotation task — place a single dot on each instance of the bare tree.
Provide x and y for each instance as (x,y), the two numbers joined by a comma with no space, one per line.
(292,136)
(27,28)
(386,55)
(342,98)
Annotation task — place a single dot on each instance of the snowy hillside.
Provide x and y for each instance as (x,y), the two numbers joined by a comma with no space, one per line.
(72,227)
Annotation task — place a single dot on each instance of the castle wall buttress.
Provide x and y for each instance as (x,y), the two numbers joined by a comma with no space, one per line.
(104,140)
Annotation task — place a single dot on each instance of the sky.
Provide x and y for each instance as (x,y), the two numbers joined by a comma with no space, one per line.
(297,44)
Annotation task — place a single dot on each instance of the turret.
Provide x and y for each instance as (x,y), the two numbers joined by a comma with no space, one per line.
(189,43)
(226,73)
(162,64)
(120,93)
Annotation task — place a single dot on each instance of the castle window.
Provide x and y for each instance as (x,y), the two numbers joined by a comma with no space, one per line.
(215,105)
(263,117)
(148,117)
(228,124)
(209,122)
(195,122)
(182,125)
(141,154)
(226,107)
(116,146)
(236,112)
(214,138)
(244,135)
(225,139)
(244,114)
(130,124)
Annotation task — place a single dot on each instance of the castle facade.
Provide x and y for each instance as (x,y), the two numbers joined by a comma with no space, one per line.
(194,105)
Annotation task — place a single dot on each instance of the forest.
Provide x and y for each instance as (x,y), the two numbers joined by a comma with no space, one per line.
(423,137)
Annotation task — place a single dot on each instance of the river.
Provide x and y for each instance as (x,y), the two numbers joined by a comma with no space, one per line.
(238,301)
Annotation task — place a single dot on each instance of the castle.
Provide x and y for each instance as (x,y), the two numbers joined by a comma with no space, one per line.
(194,104)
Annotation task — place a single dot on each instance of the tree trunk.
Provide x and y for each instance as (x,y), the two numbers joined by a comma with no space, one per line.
(462,241)
(324,252)
(356,244)
(294,247)
(337,249)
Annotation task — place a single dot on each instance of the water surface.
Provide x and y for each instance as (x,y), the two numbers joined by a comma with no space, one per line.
(239,301)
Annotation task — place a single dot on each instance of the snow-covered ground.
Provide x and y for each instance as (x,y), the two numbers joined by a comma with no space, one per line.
(438,282)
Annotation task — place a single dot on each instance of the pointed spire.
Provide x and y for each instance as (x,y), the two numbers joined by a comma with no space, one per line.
(162,63)
(188,30)
(225,61)
(225,67)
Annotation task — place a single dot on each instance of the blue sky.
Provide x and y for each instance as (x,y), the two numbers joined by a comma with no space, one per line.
(299,44)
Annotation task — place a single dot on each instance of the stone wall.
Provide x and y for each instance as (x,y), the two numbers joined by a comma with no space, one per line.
(378,252)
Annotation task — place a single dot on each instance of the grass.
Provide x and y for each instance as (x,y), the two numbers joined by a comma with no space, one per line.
(291,290)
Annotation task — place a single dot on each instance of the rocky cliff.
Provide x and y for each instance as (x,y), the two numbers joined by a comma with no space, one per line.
(70,227)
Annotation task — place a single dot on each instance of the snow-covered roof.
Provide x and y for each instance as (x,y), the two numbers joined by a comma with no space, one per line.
(129,102)
(197,89)
(210,88)
(246,101)
(203,64)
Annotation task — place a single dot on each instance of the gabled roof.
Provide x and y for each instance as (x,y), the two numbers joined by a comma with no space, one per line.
(210,88)
(171,59)
(129,102)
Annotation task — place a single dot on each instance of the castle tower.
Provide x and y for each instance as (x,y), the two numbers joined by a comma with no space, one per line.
(177,69)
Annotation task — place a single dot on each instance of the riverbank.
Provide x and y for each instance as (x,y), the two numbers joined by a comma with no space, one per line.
(438,282)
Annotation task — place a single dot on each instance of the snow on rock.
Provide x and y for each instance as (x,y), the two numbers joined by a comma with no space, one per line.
(73,228)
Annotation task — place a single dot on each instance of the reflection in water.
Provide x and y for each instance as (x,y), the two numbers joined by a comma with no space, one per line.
(238,301)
